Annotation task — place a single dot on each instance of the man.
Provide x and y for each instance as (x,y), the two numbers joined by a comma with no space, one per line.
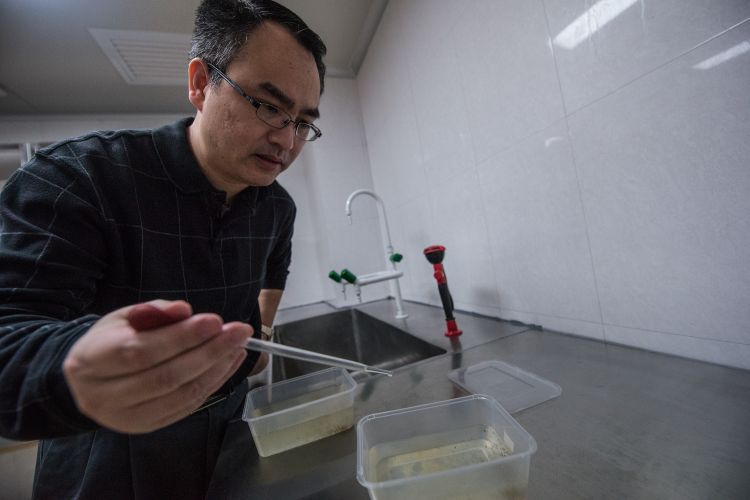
(135,264)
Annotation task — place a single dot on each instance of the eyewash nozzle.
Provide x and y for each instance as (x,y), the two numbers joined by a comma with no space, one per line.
(435,254)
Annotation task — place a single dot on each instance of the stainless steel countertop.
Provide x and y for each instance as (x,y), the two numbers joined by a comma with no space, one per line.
(630,424)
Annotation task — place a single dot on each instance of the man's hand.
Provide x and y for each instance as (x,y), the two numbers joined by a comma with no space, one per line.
(146,366)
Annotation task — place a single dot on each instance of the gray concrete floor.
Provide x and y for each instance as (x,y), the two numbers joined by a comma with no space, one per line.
(17,463)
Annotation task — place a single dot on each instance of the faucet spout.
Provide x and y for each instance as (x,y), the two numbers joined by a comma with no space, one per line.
(357,193)
(391,258)
(348,211)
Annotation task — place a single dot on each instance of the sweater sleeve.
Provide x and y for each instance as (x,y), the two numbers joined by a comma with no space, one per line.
(277,264)
(51,245)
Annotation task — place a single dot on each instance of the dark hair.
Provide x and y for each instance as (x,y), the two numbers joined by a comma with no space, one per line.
(222,28)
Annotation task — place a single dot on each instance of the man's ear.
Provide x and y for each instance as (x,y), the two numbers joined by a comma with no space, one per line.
(197,83)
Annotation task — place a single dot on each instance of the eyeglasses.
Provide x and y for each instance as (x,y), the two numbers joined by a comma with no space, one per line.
(271,115)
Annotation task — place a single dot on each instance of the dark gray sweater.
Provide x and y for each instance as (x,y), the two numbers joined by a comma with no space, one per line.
(110,219)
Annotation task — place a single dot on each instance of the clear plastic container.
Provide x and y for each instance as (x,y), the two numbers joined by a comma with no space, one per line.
(468,447)
(300,410)
(514,388)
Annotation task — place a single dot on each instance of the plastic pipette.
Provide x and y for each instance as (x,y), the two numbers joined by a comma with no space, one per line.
(286,351)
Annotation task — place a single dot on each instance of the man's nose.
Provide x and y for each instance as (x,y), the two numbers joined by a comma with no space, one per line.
(284,137)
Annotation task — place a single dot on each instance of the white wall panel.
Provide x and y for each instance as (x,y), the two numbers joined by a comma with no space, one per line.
(507,73)
(602,45)
(665,177)
(537,228)
(612,175)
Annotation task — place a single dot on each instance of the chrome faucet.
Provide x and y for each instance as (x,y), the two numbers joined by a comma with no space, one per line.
(390,256)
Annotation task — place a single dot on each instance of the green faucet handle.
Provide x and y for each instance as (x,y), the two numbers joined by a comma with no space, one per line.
(348,276)
(396,257)
(335,276)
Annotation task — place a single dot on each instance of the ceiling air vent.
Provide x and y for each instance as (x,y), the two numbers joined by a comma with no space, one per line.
(146,57)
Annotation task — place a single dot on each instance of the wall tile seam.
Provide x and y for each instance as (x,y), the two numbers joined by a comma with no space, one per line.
(656,68)
(700,357)
(586,225)
(574,161)
(675,334)
(507,310)
(520,140)
(504,311)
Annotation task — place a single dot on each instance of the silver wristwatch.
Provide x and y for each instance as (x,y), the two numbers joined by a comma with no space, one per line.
(268,330)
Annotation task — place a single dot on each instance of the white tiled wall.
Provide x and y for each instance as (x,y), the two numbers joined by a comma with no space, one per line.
(592,179)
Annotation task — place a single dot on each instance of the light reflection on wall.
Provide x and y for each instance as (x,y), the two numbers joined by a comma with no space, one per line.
(724,56)
(594,19)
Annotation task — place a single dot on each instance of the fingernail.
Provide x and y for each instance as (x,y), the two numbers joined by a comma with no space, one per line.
(244,328)
(236,336)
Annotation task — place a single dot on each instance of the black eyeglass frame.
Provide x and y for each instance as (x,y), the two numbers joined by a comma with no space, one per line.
(258,104)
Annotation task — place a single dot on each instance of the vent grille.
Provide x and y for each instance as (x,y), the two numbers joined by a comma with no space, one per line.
(146,57)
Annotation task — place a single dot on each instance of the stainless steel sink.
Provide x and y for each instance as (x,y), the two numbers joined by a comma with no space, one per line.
(349,334)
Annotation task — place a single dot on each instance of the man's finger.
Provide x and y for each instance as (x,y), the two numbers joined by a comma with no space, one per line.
(180,370)
(162,411)
(149,315)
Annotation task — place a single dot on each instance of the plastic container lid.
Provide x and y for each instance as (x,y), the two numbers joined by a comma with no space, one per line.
(515,389)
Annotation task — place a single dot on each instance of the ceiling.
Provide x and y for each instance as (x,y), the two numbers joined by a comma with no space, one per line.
(50,62)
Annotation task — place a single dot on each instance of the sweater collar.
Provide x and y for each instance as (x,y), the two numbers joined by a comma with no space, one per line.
(181,166)
(177,158)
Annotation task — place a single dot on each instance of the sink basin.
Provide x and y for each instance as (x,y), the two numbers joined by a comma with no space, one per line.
(349,334)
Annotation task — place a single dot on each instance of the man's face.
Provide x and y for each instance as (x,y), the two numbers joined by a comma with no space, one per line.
(233,146)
